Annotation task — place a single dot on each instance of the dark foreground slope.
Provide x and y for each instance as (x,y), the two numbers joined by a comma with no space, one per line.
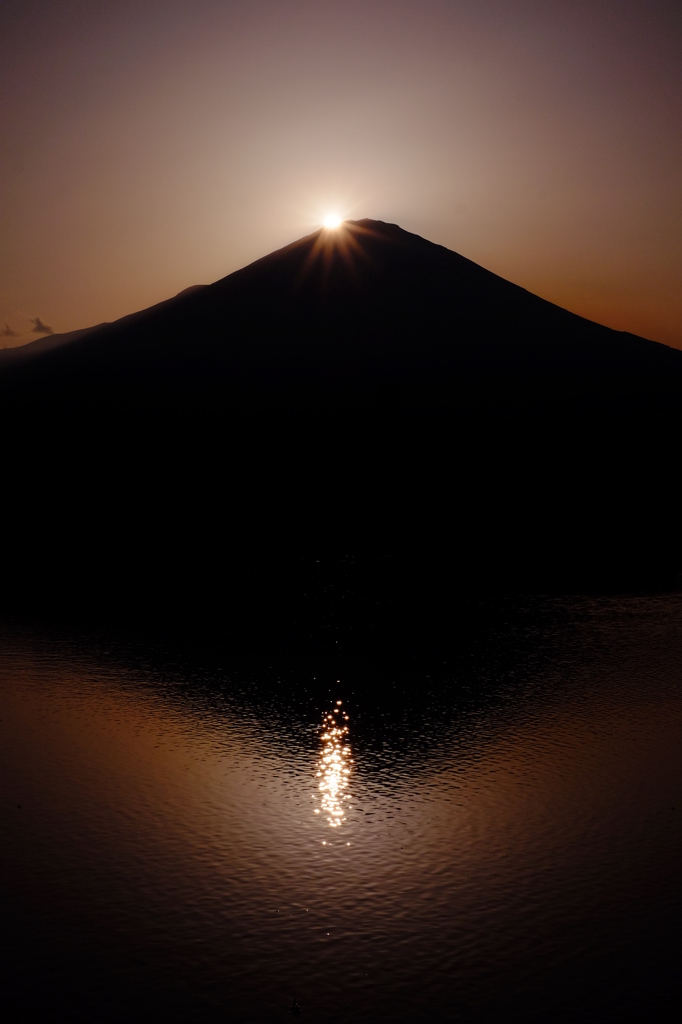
(365,390)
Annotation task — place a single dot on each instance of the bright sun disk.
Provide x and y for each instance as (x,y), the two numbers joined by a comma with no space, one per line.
(332,220)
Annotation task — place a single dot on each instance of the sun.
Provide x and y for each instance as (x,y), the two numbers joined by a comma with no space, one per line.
(332,220)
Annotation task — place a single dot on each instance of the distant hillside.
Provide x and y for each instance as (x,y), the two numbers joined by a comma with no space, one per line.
(357,390)
(370,320)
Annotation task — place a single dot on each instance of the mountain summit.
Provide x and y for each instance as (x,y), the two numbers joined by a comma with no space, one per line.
(364,320)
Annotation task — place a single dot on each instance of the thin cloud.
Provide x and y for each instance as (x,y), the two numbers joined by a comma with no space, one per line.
(39,327)
(7,332)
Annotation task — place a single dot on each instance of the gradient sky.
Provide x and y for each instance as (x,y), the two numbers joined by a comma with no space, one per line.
(150,146)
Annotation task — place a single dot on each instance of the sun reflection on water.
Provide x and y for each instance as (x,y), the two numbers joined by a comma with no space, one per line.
(333,766)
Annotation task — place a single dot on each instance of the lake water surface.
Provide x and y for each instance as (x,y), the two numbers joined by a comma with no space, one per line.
(491,832)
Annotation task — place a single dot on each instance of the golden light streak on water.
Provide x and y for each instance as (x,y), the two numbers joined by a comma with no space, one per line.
(334,766)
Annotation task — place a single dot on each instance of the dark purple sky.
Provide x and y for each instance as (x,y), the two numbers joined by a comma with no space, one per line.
(150,146)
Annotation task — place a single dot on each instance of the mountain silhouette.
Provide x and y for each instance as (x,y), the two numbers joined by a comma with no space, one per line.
(358,390)
(369,320)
